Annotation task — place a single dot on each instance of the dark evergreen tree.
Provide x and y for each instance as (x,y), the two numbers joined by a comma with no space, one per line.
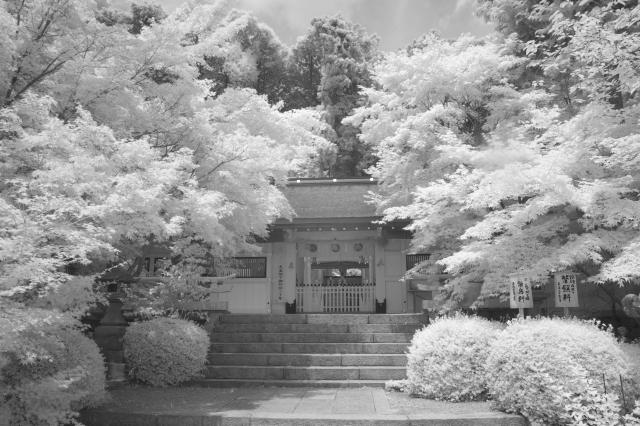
(328,67)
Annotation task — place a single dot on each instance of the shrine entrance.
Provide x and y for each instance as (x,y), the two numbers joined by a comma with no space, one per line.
(336,286)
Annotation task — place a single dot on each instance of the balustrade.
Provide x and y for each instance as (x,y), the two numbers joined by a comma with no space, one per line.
(335,298)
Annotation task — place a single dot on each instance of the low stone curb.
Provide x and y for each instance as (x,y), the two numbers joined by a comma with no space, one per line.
(275,405)
(243,418)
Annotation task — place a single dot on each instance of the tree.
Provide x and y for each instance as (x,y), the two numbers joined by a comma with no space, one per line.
(39,38)
(248,54)
(73,194)
(145,15)
(331,63)
(501,177)
(541,31)
(100,154)
(438,95)
(142,15)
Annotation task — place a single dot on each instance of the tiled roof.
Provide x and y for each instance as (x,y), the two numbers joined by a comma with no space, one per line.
(328,198)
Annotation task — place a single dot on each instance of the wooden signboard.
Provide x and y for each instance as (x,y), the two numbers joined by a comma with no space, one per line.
(520,295)
(566,290)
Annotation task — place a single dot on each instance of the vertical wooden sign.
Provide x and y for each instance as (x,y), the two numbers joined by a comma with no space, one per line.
(520,296)
(566,291)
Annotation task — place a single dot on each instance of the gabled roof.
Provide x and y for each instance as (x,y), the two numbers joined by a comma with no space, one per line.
(330,198)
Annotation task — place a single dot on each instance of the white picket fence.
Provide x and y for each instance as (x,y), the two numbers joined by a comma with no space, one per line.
(344,299)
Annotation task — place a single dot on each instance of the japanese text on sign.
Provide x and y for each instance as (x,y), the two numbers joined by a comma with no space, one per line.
(280,283)
(520,292)
(566,290)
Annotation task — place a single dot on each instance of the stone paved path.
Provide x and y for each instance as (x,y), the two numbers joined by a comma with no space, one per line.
(141,406)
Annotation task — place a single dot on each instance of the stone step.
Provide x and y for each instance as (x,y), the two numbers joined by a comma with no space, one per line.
(313,348)
(312,337)
(315,328)
(304,373)
(324,318)
(235,383)
(264,318)
(263,359)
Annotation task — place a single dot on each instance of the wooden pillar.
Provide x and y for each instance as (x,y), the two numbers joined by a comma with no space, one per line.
(307,271)
(378,273)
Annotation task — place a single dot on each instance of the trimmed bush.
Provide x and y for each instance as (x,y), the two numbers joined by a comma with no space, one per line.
(49,369)
(165,351)
(446,358)
(593,408)
(551,370)
(633,418)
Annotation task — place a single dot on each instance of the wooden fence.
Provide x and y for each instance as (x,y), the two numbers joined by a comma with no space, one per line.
(344,299)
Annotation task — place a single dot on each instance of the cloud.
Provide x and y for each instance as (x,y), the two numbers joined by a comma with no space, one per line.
(397,22)
(463,5)
(291,18)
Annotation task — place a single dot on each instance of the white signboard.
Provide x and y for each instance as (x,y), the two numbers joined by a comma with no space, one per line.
(566,290)
(520,292)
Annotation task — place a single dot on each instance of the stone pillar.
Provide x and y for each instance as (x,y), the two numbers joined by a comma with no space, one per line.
(108,335)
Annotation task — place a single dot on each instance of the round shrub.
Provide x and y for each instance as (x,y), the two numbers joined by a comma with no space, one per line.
(548,368)
(49,369)
(165,351)
(446,358)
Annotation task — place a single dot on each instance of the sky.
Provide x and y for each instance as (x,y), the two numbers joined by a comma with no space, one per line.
(397,22)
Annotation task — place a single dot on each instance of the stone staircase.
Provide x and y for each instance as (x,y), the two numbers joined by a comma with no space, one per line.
(323,350)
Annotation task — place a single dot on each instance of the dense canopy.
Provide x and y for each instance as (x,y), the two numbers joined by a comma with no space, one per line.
(517,152)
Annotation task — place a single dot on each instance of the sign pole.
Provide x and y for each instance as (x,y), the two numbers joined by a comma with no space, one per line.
(566,311)
(521,312)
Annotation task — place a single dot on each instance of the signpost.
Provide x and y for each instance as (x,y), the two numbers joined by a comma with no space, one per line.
(520,295)
(280,283)
(566,291)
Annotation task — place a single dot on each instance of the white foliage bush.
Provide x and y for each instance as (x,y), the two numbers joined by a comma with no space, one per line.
(632,381)
(446,358)
(48,369)
(593,408)
(633,418)
(551,370)
(165,351)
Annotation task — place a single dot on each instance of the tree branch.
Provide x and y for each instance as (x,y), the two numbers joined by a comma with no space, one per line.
(220,164)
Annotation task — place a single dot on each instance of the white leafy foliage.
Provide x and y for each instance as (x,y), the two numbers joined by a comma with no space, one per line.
(7,44)
(50,369)
(165,351)
(89,189)
(624,266)
(633,419)
(574,173)
(421,103)
(546,369)
(446,358)
(141,148)
(537,189)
